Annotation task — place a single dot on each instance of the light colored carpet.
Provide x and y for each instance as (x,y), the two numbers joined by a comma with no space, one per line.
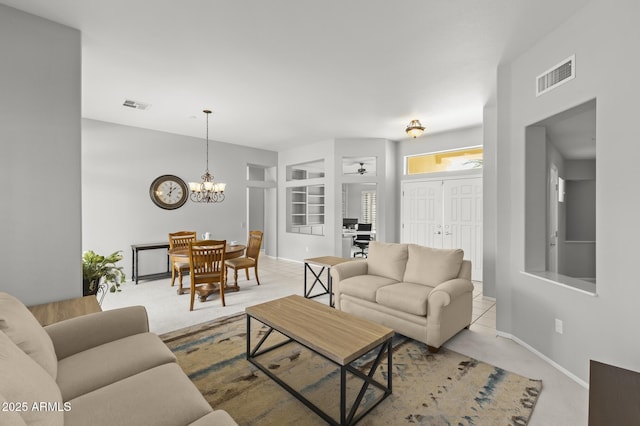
(446,388)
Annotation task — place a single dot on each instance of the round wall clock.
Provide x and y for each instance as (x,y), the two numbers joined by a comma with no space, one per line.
(168,192)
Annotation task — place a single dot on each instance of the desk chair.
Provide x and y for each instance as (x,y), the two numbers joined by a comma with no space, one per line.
(206,266)
(179,239)
(362,239)
(250,259)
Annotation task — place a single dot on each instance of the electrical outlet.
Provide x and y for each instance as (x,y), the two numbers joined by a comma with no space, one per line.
(558,326)
(306,249)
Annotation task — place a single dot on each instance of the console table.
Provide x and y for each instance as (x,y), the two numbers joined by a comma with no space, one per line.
(135,249)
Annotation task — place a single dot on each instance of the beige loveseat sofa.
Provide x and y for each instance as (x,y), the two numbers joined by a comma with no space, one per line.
(421,292)
(98,369)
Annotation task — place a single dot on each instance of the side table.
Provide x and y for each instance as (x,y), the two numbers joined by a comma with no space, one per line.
(324,262)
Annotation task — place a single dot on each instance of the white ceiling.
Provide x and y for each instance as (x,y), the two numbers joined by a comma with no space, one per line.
(280,73)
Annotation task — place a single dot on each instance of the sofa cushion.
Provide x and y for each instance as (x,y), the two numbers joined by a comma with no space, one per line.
(102,365)
(387,259)
(431,266)
(406,297)
(364,286)
(24,381)
(19,324)
(163,395)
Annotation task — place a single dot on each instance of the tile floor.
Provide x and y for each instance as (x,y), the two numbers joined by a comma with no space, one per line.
(563,402)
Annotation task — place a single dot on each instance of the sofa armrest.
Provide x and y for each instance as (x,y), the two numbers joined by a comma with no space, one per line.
(87,331)
(443,293)
(345,270)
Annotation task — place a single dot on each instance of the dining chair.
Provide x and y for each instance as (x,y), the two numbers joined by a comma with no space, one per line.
(250,259)
(207,268)
(179,240)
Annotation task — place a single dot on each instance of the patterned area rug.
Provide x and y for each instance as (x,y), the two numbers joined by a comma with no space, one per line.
(445,388)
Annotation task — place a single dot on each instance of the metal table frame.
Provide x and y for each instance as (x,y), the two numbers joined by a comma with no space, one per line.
(346,418)
(324,265)
(135,249)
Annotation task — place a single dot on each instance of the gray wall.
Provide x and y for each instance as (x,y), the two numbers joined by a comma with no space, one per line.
(40,254)
(489,198)
(602,327)
(120,162)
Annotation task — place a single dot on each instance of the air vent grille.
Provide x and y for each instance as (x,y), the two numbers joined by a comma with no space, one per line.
(556,76)
(137,105)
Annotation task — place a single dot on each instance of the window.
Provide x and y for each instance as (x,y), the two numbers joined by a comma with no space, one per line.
(447,161)
(368,204)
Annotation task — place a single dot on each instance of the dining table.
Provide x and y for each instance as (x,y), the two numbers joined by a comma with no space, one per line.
(231,252)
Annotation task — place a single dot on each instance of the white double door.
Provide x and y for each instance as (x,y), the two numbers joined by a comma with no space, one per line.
(445,214)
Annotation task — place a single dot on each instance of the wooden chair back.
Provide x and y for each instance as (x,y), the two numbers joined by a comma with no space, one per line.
(181,239)
(254,244)
(206,261)
(206,266)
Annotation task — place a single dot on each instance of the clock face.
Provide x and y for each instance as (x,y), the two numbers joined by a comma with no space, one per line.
(168,192)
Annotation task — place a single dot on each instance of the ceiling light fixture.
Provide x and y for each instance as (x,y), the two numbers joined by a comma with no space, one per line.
(207,191)
(415,129)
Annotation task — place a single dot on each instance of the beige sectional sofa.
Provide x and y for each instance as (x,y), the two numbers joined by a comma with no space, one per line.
(421,292)
(97,369)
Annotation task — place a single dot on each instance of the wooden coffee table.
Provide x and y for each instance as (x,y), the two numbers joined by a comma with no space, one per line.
(337,336)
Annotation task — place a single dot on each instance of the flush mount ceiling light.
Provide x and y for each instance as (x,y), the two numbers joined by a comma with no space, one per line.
(207,191)
(415,129)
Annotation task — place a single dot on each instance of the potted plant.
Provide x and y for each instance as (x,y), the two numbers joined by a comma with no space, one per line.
(96,267)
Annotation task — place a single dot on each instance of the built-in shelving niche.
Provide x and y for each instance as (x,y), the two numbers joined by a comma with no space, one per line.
(305,200)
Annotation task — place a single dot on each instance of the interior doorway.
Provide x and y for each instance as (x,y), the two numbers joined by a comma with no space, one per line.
(262,205)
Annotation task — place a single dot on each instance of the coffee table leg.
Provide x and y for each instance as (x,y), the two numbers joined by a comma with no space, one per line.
(343,396)
(389,365)
(248,335)
(330,285)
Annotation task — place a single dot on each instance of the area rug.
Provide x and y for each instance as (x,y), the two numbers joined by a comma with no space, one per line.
(445,388)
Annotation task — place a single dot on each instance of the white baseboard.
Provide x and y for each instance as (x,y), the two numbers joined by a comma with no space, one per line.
(557,366)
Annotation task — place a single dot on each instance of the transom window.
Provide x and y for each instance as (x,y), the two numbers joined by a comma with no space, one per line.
(447,161)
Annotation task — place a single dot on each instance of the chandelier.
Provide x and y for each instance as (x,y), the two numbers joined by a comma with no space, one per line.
(207,191)
(415,129)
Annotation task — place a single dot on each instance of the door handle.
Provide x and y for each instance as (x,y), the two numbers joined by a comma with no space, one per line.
(447,233)
(437,232)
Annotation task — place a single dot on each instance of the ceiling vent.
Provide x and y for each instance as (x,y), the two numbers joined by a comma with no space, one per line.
(556,76)
(137,105)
